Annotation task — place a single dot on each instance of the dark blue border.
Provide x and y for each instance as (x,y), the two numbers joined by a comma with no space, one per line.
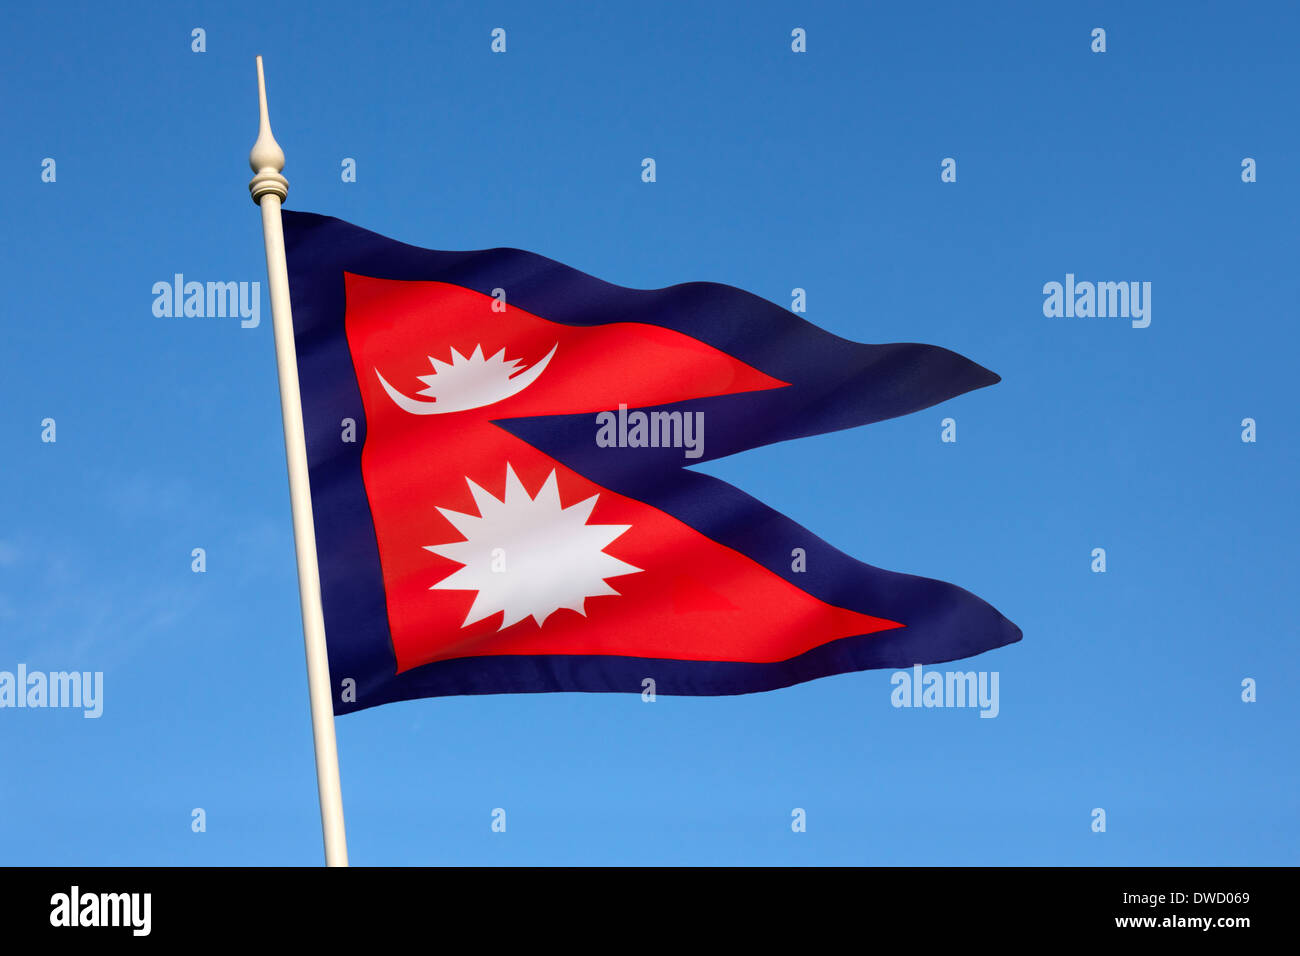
(834,384)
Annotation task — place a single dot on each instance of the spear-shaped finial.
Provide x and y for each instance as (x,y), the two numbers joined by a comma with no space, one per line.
(266,157)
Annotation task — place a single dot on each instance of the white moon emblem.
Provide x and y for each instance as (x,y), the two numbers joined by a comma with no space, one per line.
(466,383)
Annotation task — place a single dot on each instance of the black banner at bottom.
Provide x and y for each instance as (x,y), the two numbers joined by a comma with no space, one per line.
(644,907)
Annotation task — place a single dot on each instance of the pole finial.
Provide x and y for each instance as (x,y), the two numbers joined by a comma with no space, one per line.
(266,157)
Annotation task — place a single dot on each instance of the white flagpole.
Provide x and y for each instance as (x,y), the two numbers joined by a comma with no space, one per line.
(269,188)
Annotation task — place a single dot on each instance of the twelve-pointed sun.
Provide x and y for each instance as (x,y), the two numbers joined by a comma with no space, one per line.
(529,556)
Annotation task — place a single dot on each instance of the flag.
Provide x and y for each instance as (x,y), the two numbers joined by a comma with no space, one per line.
(500,452)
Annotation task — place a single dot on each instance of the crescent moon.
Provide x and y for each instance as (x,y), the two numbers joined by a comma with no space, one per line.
(511,387)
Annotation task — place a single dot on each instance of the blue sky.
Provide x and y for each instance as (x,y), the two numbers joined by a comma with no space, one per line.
(775,170)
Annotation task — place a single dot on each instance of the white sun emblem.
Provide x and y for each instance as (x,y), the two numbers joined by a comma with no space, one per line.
(529,556)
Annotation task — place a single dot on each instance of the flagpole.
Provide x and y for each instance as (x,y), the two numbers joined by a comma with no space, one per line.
(269,189)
